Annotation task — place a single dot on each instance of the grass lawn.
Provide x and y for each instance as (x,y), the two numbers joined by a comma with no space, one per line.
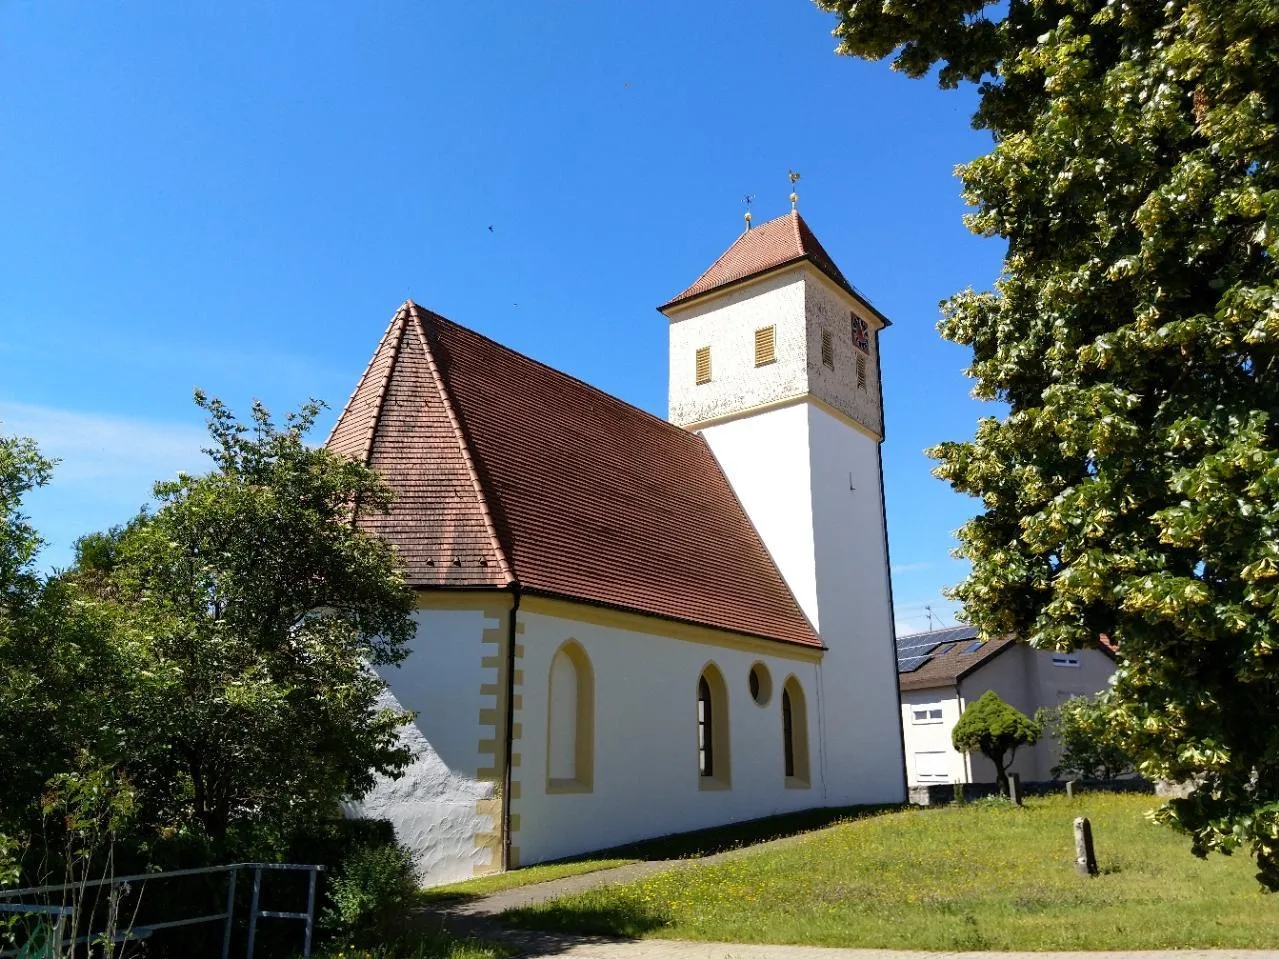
(981,876)
(690,845)
(428,945)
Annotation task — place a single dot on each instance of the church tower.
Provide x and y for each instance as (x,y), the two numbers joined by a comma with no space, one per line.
(774,359)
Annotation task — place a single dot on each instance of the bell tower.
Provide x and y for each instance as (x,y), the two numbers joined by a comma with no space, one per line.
(774,360)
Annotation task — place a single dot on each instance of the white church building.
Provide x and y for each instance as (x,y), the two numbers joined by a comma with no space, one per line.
(629,627)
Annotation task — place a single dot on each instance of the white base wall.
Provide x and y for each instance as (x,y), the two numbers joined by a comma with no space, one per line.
(434,805)
(646,780)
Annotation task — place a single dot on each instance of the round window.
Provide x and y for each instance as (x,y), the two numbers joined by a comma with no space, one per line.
(761,684)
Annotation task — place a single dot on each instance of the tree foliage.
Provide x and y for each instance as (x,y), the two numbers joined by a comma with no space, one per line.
(1132,489)
(1086,733)
(214,653)
(996,730)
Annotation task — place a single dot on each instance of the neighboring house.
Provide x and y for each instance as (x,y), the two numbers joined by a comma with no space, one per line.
(629,627)
(941,671)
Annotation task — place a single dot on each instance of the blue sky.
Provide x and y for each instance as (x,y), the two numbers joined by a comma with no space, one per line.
(237,196)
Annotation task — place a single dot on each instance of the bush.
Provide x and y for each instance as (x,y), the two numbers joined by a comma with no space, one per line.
(1089,746)
(372,892)
(993,728)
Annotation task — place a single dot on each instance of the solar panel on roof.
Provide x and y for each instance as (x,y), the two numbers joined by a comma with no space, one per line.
(919,649)
(912,663)
(973,647)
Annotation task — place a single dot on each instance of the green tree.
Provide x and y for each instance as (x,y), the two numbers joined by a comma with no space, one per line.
(996,730)
(258,608)
(1086,733)
(1132,488)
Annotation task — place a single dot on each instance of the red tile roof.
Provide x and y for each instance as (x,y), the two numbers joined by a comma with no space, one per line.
(768,246)
(509,472)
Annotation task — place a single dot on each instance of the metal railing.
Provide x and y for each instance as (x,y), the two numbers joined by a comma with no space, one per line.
(133,932)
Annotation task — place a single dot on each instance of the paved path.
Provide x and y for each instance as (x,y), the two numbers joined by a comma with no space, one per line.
(478,917)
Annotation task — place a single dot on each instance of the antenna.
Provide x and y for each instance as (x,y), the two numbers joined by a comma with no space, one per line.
(928,609)
(794,197)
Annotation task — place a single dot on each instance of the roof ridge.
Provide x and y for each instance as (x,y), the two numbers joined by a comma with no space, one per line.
(465,446)
(667,424)
(381,393)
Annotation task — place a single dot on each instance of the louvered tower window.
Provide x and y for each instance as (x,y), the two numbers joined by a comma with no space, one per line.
(828,350)
(703,365)
(765,345)
(861,372)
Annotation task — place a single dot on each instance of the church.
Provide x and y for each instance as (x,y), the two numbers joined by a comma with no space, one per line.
(629,627)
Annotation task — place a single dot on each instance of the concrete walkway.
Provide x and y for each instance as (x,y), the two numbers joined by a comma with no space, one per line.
(479,917)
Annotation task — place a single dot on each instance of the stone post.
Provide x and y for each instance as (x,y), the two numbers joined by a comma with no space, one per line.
(1085,857)
(1014,787)
(1070,788)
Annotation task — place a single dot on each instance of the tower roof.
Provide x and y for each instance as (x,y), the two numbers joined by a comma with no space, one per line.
(769,246)
(507,472)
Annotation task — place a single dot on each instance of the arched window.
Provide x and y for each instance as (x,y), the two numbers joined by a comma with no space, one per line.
(712,730)
(570,740)
(794,734)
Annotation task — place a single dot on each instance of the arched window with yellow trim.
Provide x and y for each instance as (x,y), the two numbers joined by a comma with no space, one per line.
(713,758)
(570,739)
(794,735)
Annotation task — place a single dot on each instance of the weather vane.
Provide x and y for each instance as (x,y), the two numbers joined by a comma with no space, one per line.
(747,200)
(794,197)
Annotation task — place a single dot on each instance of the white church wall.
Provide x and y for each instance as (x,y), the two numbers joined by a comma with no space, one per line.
(767,460)
(434,806)
(646,780)
(727,325)
(859,672)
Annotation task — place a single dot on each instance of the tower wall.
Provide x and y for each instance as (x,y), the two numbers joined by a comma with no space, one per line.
(799,441)
(727,324)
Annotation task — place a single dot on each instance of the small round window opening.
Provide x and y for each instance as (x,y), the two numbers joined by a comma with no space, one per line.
(761,684)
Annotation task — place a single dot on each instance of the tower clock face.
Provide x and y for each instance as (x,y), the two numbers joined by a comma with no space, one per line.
(861,334)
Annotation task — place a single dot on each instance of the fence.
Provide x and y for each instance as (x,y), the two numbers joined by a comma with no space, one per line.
(64,915)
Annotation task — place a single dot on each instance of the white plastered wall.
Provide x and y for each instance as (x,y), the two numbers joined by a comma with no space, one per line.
(932,737)
(810,483)
(646,780)
(434,805)
(727,324)
(859,673)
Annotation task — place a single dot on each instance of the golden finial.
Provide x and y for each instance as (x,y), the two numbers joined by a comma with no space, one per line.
(747,199)
(794,197)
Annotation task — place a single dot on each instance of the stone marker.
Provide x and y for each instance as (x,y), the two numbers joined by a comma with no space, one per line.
(1014,787)
(1085,857)
(1070,789)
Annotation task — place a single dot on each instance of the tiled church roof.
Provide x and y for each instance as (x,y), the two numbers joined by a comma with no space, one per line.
(768,246)
(507,471)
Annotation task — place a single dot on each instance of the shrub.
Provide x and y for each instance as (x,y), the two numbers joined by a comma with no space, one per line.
(993,728)
(1089,746)
(372,892)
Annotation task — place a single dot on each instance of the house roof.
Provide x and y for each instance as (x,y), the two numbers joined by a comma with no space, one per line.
(507,472)
(770,245)
(942,657)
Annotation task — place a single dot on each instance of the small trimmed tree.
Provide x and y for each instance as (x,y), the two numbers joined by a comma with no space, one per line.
(993,728)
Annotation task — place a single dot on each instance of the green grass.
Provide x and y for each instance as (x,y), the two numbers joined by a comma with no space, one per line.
(422,945)
(981,876)
(486,885)
(691,845)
